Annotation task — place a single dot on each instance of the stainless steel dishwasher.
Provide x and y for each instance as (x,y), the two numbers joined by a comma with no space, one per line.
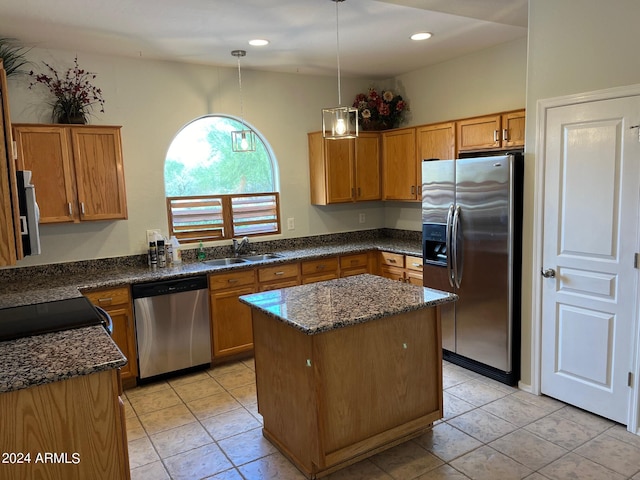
(172,325)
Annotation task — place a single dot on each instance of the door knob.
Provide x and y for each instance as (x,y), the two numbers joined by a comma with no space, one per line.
(548,273)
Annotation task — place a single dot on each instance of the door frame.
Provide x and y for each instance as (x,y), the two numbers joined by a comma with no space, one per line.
(633,419)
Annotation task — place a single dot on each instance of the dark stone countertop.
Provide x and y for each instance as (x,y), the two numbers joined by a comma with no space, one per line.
(56,356)
(324,306)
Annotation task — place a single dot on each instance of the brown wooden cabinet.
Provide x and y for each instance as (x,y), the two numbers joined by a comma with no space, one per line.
(400,177)
(81,418)
(403,268)
(344,170)
(436,141)
(117,303)
(77,170)
(355,264)
(278,276)
(319,270)
(490,132)
(231,331)
(10,240)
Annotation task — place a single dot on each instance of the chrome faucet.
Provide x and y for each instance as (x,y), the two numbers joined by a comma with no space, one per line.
(240,247)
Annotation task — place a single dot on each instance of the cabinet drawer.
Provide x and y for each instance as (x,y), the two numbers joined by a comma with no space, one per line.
(325,265)
(354,271)
(231,279)
(353,261)
(276,285)
(392,259)
(413,263)
(108,296)
(278,272)
(392,272)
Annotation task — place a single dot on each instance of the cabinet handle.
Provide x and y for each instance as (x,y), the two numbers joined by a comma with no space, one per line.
(233,280)
(413,189)
(105,300)
(320,267)
(505,135)
(70,209)
(279,273)
(82,207)
(415,264)
(391,260)
(353,192)
(495,136)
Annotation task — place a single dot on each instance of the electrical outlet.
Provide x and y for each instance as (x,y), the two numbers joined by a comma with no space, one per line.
(291,224)
(362,218)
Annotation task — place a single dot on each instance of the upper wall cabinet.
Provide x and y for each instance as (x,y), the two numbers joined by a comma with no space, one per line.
(400,172)
(344,170)
(491,132)
(10,239)
(77,170)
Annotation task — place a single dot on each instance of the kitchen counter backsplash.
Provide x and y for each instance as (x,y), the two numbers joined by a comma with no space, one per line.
(43,283)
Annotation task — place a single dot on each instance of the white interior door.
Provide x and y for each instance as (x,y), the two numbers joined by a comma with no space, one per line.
(591,215)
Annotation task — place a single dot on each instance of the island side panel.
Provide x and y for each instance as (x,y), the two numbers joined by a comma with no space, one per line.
(286,391)
(378,382)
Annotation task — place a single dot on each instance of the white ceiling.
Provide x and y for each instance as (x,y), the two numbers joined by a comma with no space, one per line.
(374,35)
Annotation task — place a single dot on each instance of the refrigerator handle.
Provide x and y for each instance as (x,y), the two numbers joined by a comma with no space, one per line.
(448,245)
(457,248)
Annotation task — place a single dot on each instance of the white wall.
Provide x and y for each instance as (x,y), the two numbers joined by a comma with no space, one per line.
(575,46)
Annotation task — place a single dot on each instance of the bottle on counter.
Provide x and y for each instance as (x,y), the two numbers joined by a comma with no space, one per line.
(168,247)
(153,254)
(162,255)
(177,253)
(201,254)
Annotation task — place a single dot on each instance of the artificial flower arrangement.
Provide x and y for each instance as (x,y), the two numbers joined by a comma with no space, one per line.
(74,93)
(379,111)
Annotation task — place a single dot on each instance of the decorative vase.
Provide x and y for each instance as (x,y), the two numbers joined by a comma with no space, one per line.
(69,112)
(77,119)
(374,126)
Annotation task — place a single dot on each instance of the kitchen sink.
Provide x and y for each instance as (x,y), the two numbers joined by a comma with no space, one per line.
(264,256)
(224,261)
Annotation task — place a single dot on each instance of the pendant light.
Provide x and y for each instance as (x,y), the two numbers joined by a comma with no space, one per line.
(339,122)
(242,140)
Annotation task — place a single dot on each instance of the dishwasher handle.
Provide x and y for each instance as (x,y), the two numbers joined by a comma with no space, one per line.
(168,287)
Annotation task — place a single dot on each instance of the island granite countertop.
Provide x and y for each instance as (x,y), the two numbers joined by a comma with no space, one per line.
(324,306)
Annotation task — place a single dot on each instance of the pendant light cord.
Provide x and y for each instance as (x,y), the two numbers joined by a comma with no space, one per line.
(338,49)
(238,54)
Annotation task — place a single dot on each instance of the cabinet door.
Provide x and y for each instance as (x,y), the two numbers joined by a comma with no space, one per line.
(513,129)
(45,151)
(10,239)
(232,332)
(436,141)
(481,133)
(124,336)
(367,167)
(99,170)
(339,161)
(400,180)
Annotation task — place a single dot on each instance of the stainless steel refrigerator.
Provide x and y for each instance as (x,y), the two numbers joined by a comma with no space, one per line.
(471,239)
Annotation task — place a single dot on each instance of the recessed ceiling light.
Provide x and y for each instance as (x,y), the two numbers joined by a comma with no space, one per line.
(258,42)
(421,36)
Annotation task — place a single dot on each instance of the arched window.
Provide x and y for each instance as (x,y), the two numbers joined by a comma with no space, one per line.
(215,193)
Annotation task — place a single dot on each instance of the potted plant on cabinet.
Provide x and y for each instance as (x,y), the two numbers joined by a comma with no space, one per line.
(74,93)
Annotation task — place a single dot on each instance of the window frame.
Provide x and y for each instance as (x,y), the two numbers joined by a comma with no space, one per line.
(226,224)
(223,222)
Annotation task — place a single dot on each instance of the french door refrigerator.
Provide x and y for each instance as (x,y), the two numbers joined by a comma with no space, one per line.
(471,240)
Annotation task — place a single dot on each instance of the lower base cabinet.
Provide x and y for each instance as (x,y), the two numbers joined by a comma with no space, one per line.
(231,332)
(72,429)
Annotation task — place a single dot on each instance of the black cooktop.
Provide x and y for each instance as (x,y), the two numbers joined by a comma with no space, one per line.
(27,320)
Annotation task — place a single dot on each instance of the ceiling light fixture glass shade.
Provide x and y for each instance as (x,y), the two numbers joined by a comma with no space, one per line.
(242,140)
(341,121)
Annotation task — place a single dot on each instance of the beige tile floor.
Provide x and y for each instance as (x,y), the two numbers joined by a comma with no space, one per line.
(206,425)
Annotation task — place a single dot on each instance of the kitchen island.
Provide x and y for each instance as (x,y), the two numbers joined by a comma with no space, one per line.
(346,368)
